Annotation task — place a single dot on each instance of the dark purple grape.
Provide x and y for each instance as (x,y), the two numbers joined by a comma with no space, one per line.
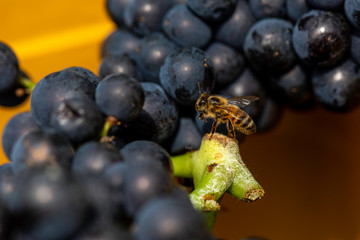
(9,68)
(7,182)
(16,95)
(296,8)
(158,119)
(79,119)
(122,63)
(104,231)
(145,16)
(233,30)
(143,183)
(38,148)
(6,221)
(53,89)
(86,73)
(326,4)
(227,62)
(186,138)
(184,71)
(120,96)
(268,8)
(293,87)
(120,41)
(153,221)
(19,125)
(355,46)
(270,115)
(93,157)
(338,87)
(352,12)
(115,9)
(48,205)
(212,10)
(143,152)
(268,45)
(184,28)
(153,50)
(321,38)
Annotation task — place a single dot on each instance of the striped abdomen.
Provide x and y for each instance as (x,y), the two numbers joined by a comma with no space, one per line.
(242,122)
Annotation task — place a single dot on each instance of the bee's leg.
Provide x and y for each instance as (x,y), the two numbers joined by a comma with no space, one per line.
(231,129)
(213,128)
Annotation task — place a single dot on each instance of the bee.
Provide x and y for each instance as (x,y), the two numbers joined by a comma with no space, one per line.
(226,110)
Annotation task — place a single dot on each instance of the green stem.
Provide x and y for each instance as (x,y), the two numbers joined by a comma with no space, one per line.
(183,164)
(109,122)
(26,83)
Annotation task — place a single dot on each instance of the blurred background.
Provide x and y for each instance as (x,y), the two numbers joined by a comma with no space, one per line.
(309,164)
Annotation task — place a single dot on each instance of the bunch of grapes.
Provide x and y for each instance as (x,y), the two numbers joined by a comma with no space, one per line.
(92,157)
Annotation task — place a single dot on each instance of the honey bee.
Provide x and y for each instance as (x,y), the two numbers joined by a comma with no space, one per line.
(226,110)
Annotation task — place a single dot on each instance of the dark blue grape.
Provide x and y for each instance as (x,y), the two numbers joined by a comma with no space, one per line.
(294,86)
(153,221)
(145,16)
(16,95)
(153,50)
(19,125)
(233,30)
(321,38)
(79,119)
(184,28)
(186,138)
(268,45)
(104,231)
(352,12)
(184,71)
(296,8)
(53,89)
(143,183)
(158,119)
(326,4)
(7,182)
(227,62)
(268,8)
(120,96)
(86,73)
(338,87)
(120,41)
(212,10)
(6,222)
(143,152)
(122,63)
(93,157)
(38,148)
(9,68)
(355,46)
(115,9)
(48,205)
(270,115)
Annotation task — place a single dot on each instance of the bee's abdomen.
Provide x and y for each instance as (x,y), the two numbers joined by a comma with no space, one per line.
(243,122)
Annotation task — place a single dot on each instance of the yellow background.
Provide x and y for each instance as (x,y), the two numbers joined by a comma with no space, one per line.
(309,164)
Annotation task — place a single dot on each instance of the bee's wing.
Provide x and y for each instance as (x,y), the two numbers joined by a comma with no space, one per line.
(242,101)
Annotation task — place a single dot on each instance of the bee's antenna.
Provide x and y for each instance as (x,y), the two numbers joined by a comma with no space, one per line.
(199,88)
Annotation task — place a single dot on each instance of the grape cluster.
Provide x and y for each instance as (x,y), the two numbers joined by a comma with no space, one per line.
(91,159)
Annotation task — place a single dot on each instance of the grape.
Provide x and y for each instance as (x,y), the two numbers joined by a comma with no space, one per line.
(326,4)
(296,8)
(6,221)
(104,231)
(86,73)
(143,183)
(153,49)
(212,10)
(48,205)
(51,90)
(93,157)
(9,68)
(78,119)
(268,45)
(16,95)
(169,218)
(157,120)
(142,152)
(352,12)
(270,115)
(7,182)
(184,28)
(38,148)
(145,16)
(233,30)
(120,41)
(19,125)
(115,9)
(338,87)
(122,63)
(268,8)
(321,38)
(227,62)
(184,71)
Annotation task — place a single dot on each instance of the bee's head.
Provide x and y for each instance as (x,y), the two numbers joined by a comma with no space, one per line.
(202,103)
